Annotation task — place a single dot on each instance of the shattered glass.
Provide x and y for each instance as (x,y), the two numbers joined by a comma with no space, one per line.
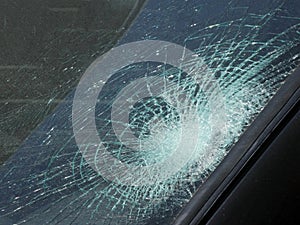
(247,51)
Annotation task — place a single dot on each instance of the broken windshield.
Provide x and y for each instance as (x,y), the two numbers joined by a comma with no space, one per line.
(138,129)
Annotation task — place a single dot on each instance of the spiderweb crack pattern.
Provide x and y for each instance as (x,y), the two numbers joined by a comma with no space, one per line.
(249,56)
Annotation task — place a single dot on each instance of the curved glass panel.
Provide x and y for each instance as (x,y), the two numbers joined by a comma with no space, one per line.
(149,120)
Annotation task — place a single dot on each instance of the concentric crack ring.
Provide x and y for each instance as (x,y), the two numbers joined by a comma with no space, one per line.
(96,76)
